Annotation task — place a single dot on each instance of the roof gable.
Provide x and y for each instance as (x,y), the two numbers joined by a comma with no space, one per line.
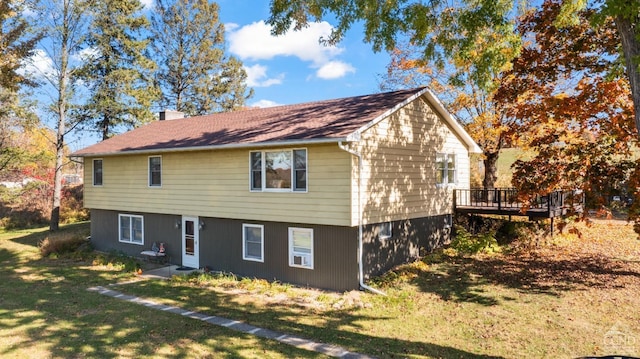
(313,122)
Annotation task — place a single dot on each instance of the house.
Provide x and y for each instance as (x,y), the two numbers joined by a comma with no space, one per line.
(324,194)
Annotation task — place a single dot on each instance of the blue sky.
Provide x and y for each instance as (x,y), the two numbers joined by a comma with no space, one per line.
(295,68)
(288,69)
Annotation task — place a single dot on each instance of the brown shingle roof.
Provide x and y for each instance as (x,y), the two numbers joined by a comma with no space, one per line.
(314,121)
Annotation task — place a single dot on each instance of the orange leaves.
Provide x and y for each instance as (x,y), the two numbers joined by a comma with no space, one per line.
(569,107)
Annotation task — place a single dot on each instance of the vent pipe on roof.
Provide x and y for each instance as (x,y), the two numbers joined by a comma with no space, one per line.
(167,115)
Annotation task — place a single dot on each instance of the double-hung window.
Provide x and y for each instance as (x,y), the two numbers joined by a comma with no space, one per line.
(301,247)
(253,242)
(155,171)
(131,228)
(385,231)
(445,168)
(279,171)
(97,172)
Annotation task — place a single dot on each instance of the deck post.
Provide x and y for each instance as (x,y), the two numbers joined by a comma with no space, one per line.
(499,199)
(454,200)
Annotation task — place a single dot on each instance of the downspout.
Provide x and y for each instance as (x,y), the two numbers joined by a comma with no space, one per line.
(360,225)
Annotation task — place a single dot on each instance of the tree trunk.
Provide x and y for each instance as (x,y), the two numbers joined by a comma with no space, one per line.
(57,178)
(629,33)
(105,127)
(490,169)
(61,109)
(54,223)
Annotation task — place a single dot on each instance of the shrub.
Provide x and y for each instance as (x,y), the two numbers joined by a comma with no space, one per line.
(63,243)
(467,243)
(72,208)
(116,261)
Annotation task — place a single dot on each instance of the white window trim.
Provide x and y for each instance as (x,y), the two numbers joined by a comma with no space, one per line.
(130,216)
(93,172)
(263,172)
(448,221)
(455,159)
(292,253)
(149,172)
(380,230)
(244,241)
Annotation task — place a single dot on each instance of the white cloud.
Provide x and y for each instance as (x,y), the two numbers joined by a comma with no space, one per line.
(148,4)
(255,42)
(334,69)
(265,103)
(231,26)
(257,76)
(38,65)
(86,54)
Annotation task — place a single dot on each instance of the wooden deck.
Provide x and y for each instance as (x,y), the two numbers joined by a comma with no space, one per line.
(503,201)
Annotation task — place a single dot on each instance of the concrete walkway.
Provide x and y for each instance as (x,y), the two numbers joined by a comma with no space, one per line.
(298,342)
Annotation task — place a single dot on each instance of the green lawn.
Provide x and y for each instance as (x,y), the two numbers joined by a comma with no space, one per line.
(46,311)
(563,300)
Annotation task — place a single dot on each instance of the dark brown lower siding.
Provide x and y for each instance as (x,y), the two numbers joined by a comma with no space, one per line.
(157,228)
(335,247)
(411,239)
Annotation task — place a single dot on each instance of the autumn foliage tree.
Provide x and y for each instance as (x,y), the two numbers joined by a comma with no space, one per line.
(572,105)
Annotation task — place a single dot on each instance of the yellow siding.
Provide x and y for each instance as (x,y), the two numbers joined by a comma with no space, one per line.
(216,184)
(399,166)
(399,178)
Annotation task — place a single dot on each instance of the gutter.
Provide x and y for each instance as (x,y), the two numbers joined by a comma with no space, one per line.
(360,225)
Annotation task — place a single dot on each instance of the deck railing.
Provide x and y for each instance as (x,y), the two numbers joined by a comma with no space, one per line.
(506,200)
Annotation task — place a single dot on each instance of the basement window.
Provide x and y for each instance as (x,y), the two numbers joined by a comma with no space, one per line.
(385,231)
(301,247)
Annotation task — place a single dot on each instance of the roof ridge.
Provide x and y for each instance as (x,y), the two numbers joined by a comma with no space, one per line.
(302,104)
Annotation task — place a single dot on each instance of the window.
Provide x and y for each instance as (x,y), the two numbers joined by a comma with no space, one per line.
(131,229)
(445,168)
(301,247)
(256,171)
(97,172)
(155,171)
(279,171)
(253,242)
(448,221)
(385,230)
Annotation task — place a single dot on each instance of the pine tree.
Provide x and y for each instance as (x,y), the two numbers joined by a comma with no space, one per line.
(195,75)
(119,74)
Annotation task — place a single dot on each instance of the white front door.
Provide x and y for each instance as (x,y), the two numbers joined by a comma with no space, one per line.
(190,242)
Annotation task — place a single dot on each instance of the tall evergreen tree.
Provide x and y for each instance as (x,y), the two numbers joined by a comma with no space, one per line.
(119,73)
(195,75)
